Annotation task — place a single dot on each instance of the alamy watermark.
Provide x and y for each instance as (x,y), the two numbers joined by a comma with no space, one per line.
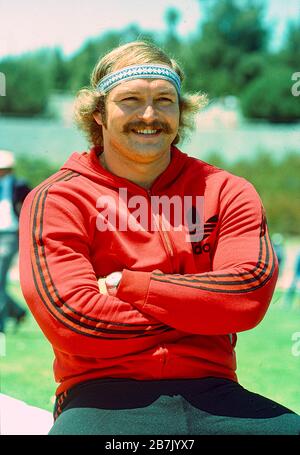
(296,87)
(2,84)
(296,344)
(153,213)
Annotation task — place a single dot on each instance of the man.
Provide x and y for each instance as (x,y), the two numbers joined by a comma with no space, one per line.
(153,351)
(12,195)
(291,293)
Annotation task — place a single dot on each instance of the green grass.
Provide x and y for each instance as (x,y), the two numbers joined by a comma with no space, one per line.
(264,355)
(266,364)
(26,369)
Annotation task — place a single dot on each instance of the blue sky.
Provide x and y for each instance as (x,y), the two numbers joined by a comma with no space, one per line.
(31,24)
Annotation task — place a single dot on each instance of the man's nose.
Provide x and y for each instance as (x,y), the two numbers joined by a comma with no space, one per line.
(148,113)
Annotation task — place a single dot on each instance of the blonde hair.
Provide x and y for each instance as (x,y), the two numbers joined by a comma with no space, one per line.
(89,99)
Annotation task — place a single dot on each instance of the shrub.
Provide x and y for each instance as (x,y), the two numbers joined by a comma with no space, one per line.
(270,97)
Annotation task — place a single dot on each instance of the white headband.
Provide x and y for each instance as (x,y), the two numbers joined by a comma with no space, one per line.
(139,72)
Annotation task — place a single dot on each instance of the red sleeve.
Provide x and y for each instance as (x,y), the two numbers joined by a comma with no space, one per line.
(59,282)
(235,294)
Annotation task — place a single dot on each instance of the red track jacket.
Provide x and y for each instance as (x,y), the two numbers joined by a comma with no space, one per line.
(179,303)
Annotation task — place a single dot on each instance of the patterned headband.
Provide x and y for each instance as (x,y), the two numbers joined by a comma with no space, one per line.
(139,72)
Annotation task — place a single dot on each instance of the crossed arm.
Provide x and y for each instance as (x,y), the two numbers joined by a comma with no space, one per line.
(60,285)
(232,297)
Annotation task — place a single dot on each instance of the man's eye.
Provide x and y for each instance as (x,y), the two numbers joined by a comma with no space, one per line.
(165,99)
(130,98)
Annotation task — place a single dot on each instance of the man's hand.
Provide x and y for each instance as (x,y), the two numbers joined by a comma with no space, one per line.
(102,286)
(109,284)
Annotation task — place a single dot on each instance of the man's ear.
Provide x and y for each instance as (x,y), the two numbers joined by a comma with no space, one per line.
(98,117)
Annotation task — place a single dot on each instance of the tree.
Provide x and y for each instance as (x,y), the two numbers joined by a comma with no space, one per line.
(270,97)
(238,24)
(82,63)
(171,42)
(60,71)
(34,170)
(277,183)
(172,18)
(290,52)
(230,31)
(249,68)
(28,85)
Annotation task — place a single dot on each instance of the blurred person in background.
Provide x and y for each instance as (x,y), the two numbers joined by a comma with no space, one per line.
(279,249)
(278,245)
(291,293)
(12,194)
(143,319)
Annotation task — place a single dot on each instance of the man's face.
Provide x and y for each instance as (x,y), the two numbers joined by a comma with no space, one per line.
(142,119)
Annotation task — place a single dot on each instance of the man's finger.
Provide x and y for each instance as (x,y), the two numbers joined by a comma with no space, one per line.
(102,286)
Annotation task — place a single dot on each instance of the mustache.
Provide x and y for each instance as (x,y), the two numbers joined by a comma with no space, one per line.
(156,125)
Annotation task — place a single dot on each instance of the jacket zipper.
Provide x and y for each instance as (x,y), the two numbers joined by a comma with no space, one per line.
(164,356)
(164,236)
